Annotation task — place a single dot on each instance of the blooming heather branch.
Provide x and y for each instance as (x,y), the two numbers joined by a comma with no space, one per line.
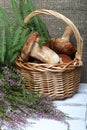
(18,103)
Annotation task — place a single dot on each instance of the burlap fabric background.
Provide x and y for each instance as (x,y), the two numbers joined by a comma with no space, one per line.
(75,10)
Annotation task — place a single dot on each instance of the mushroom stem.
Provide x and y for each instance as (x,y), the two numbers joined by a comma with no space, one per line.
(67,34)
(44,54)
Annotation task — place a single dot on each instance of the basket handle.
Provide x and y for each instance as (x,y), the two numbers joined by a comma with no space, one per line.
(77,35)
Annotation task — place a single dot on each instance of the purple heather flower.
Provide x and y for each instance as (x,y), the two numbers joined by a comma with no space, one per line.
(27,103)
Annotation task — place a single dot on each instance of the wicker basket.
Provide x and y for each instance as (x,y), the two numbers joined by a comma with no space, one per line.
(59,81)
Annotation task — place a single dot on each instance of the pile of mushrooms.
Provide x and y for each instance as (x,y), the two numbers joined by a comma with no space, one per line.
(58,50)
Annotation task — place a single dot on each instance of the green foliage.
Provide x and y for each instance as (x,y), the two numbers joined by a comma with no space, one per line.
(40,26)
(3,23)
(5,16)
(15,39)
(14,34)
(17,12)
(42,41)
(24,8)
(2,45)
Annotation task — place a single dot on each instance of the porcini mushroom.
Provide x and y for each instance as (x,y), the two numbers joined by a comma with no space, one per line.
(28,46)
(62,45)
(44,54)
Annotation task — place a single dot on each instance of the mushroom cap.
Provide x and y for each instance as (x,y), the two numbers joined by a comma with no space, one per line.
(28,46)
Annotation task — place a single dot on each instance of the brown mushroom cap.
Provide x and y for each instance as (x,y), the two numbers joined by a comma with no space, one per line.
(61,46)
(28,46)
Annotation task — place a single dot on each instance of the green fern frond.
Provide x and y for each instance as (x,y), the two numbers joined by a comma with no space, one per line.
(13,58)
(23,37)
(24,10)
(9,39)
(14,40)
(15,51)
(39,24)
(11,35)
(30,4)
(5,16)
(17,35)
(17,12)
(2,23)
(32,8)
(3,45)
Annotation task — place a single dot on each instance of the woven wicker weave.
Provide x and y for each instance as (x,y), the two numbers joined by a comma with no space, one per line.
(59,81)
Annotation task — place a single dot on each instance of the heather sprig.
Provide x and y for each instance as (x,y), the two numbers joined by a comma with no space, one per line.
(17,103)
